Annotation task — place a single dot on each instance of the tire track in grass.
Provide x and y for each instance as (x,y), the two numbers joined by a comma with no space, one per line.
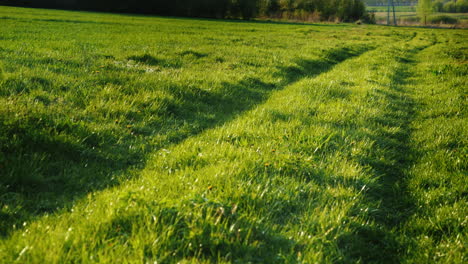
(366,156)
(375,149)
(388,205)
(437,180)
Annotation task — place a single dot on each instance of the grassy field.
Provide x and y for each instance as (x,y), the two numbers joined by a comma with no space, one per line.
(397,8)
(408,16)
(135,139)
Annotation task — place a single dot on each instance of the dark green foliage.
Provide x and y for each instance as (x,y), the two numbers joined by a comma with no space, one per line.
(460,6)
(1,74)
(443,20)
(343,10)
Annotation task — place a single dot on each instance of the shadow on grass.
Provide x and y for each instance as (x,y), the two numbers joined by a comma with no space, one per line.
(150,60)
(60,21)
(48,162)
(204,229)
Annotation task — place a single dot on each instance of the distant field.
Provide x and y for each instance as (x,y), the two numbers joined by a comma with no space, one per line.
(138,139)
(397,8)
(407,15)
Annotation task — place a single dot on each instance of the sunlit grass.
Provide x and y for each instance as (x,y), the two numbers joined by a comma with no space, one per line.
(142,139)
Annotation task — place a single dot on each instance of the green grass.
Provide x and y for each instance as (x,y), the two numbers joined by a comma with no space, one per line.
(135,139)
(397,8)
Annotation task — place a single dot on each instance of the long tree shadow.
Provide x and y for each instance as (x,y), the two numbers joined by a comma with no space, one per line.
(47,163)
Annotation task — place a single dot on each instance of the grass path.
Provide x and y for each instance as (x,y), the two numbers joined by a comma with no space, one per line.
(435,182)
(421,210)
(389,204)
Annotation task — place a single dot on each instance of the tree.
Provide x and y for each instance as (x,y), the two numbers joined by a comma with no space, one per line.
(344,10)
(450,7)
(248,8)
(1,75)
(273,7)
(424,9)
(461,6)
(438,6)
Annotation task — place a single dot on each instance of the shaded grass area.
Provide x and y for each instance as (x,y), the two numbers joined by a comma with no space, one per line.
(437,180)
(389,204)
(402,198)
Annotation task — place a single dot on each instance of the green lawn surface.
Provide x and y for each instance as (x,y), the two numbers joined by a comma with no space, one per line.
(141,139)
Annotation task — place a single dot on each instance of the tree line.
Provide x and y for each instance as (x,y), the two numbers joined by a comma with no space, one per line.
(448,6)
(459,6)
(343,10)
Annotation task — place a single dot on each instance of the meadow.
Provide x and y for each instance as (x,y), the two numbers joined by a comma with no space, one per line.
(143,139)
(397,8)
(407,15)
